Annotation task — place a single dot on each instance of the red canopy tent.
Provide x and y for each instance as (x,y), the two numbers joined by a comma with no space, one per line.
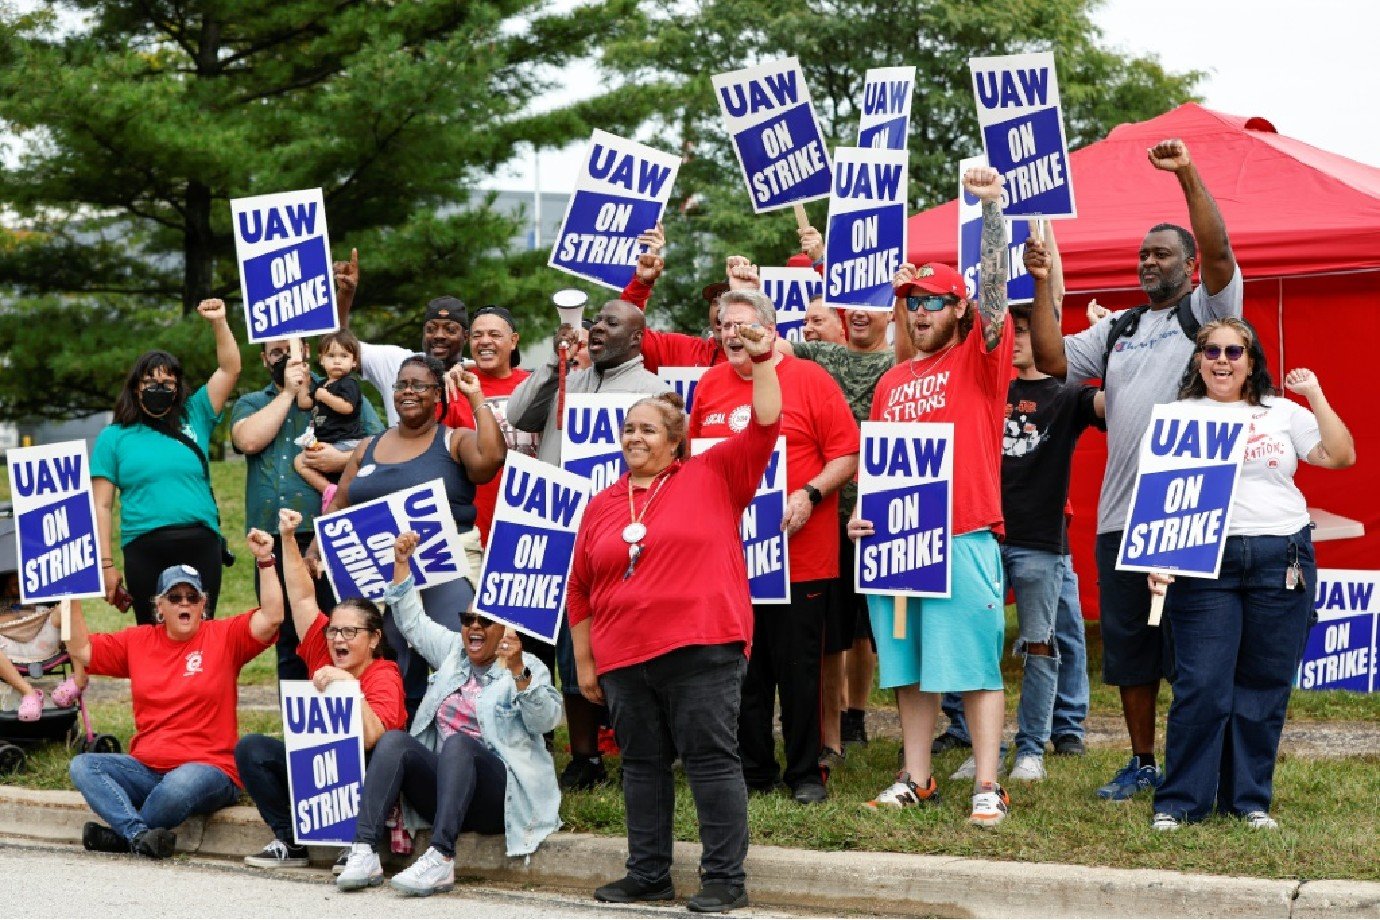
(1305,228)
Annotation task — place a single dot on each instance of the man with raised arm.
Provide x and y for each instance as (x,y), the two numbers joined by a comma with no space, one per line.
(1140,354)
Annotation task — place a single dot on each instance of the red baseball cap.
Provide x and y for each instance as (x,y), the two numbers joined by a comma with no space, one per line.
(938,278)
(800,260)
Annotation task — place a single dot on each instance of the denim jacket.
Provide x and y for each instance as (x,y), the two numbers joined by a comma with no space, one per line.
(511,723)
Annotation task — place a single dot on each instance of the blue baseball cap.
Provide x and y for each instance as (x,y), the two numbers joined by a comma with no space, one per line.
(179,575)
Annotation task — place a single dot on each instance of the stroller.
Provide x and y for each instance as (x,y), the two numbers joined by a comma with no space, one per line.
(32,644)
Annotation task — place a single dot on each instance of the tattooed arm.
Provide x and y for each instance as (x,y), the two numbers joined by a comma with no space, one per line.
(985,183)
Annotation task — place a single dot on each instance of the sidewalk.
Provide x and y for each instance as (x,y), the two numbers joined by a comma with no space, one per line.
(880,883)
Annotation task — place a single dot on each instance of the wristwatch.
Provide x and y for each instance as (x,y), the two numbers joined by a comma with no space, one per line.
(815,495)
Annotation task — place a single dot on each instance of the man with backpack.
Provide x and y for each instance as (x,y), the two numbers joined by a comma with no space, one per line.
(1140,354)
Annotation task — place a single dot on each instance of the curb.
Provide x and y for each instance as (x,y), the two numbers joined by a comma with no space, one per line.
(882,883)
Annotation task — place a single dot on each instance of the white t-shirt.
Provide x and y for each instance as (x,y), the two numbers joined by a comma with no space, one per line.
(1267,501)
(379,364)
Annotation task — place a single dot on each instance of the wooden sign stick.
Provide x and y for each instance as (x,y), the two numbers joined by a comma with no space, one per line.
(898,622)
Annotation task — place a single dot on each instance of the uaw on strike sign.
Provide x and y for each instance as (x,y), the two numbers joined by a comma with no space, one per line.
(323,731)
(285,264)
(766,551)
(1340,652)
(55,523)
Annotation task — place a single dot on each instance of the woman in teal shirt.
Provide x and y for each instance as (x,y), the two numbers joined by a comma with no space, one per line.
(168,513)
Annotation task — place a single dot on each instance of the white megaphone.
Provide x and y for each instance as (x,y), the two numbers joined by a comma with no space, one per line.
(570,304)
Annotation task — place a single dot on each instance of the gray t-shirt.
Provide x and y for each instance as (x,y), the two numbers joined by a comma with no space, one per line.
(1144,370)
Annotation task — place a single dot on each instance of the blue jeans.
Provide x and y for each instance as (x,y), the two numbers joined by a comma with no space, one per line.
(133,798)
(1036,578)
(1238,640)
(1071,697)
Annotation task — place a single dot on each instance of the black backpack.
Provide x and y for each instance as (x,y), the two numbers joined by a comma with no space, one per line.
(1126,324)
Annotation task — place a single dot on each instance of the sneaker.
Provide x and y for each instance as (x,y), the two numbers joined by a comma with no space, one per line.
(948,742)
(1260,821)
(362,869)
(809,793)
(31,707)
(1069,745)
(1028,768)
(905,794)
(1129,780)
(717,897)
(154,843)
(583,773)
(327,496)
(279,855)
(853,728)
(1164,822)
(430,874)
(339,865)
(830,760)
(100,839)
(990,806)
(66,693)
(628,890)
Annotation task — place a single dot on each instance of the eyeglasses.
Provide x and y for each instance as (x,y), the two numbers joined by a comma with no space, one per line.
(404,386)
(154,386)
(345,632)
(469,619)
(1233,352)
(183,597)
(273,354)
(932,303)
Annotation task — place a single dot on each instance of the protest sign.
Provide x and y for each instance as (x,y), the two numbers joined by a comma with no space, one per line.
(1340,652)
(1180,511)
(591,438)
(1020,287)
(905,488)
(284,253)
(527,563)
(55,523)
(323,731)
(865,242)
(766,550)
(357,543)
(885,119)
(1022,126)
(620,192)
(683,380)
(790,290)
(775,134)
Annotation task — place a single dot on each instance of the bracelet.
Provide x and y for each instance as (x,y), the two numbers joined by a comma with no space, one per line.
(763,357)
(268,563)
(812,493)
(485,405)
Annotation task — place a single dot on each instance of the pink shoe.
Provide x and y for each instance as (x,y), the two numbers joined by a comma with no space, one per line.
(326,497)
(66,693)
(31,707)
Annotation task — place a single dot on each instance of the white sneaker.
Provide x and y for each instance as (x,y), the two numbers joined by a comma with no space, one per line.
(1261,821)
(1029,767)
(990,807)
(967,770)
(431,873)
(362,869)
(1164,822)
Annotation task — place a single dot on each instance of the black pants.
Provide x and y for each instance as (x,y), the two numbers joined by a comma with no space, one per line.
(685,702)
(290,667)
(262,762)
(786,643)
(146,557)
(459,789)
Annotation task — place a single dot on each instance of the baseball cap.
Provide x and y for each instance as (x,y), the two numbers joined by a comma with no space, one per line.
(800,260)
(175,575)
(938,278)
(502,313)
(711,292)
(447,307)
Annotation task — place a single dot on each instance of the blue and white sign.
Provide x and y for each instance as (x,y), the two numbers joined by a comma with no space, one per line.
(357,543)
(1180,511)
(790,291)
(905,488)
(866,238)
(683,380)
(620,192)
(1340,654)
(766,550)
(284,253)
(885,119)
(592,436)
(55,522)
(1023,133)
(323,731)
(776,136)
(531,546)
(1020,287)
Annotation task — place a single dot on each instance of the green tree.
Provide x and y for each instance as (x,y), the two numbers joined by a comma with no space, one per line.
(675,47)
(139,119)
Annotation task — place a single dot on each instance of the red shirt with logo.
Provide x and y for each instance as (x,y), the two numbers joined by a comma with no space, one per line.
(185,693)
(966,385)
(380,684)
(819,427)
(460,415)
(670,349)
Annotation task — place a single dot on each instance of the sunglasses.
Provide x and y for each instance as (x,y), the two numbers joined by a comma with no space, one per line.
(347,633)
(155,387)
(1233,352)
(469,619)
(932,303)
(183,597)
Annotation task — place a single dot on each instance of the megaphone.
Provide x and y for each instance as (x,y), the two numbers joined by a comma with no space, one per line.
(570,304)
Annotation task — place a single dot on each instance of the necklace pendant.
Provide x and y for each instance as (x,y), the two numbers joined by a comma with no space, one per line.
(634,554)
(634,532)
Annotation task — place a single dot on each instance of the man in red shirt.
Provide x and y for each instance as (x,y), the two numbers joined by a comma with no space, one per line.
(959,374)
(821,454)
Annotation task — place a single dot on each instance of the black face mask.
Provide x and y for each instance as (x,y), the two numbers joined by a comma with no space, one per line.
(278,370)
(157,403)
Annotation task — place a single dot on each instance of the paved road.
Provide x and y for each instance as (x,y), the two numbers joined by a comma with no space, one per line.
(55,881)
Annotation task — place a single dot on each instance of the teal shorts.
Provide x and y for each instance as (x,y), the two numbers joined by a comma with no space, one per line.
(952,643)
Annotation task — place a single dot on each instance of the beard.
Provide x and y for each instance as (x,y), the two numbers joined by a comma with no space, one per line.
(943,330)
(1167,287)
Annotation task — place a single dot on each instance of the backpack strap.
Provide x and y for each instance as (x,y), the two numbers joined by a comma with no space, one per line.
(1126,324)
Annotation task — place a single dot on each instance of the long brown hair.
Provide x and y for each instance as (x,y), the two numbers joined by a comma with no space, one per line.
(1258,382)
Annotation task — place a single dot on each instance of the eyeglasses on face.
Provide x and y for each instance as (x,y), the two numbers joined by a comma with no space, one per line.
(415,386)
(158,386)
(183,597)
(1233,352)
(347,633)
(931,303)
(469,619)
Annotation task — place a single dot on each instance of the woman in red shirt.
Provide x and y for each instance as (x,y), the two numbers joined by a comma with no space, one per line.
(662,623)
(183,673)
(349,645)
